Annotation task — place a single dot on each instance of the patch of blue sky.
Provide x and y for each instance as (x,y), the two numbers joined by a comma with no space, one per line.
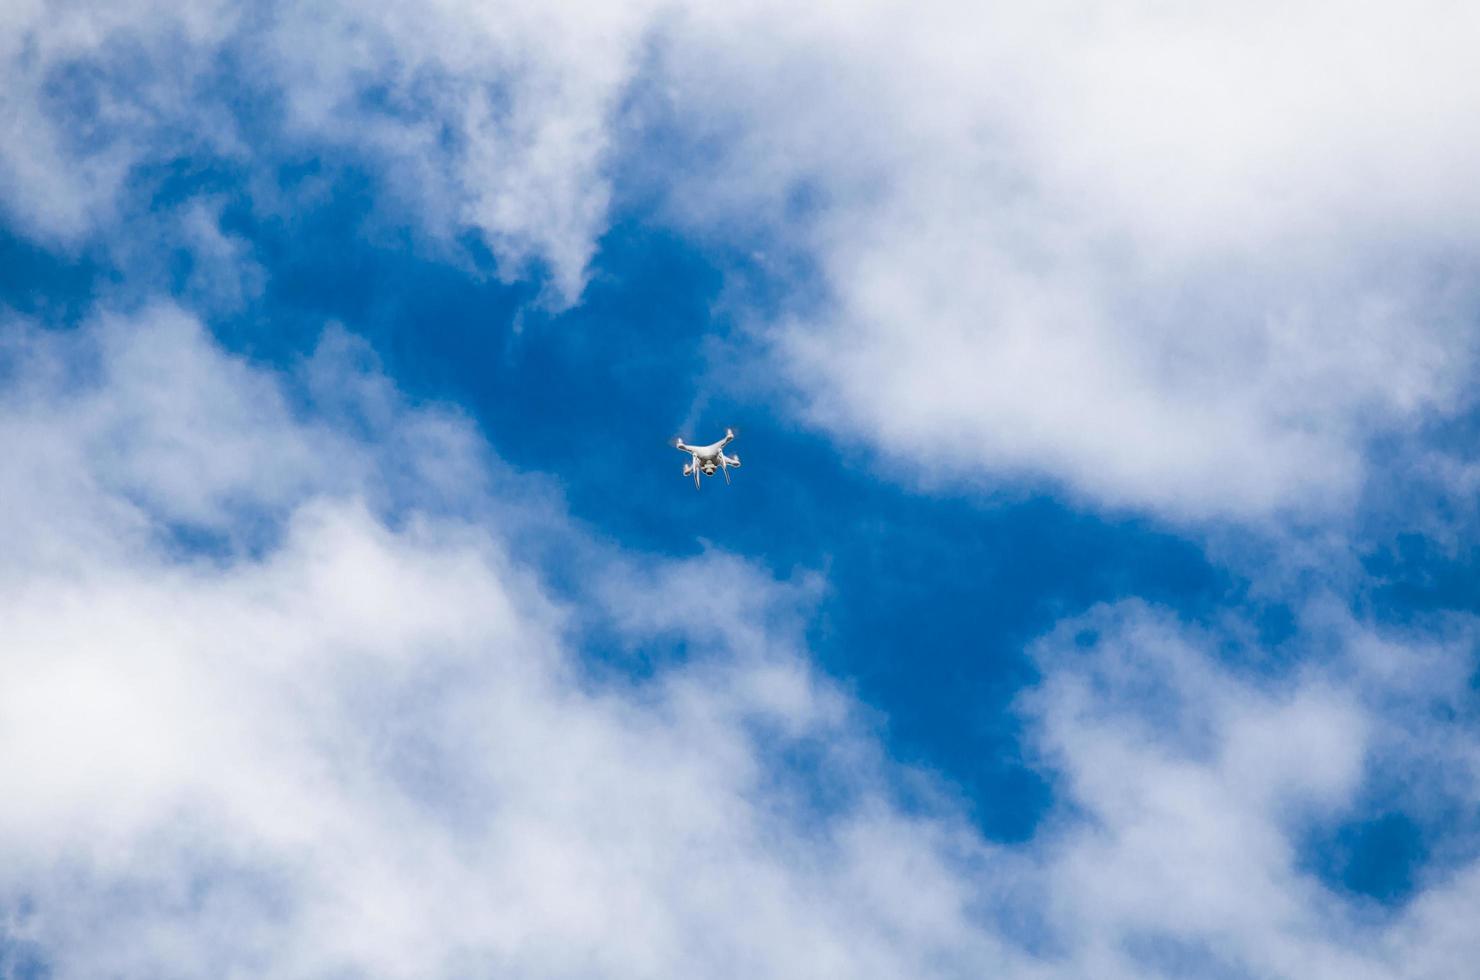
(53,288)
(931,599)
(1376,857)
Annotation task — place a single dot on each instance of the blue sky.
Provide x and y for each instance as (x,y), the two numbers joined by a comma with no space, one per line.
(1096,597)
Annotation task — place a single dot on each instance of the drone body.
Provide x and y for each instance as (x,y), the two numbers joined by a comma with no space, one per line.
(704,460)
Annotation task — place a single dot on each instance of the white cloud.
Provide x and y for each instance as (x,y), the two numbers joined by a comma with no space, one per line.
(359,736)
(1196,781)
(490,117)
(1184,260)
(498,117)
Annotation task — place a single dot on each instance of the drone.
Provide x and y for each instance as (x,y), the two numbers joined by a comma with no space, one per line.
(707,459)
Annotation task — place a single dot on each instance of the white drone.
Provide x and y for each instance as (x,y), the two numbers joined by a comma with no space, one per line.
(707,459)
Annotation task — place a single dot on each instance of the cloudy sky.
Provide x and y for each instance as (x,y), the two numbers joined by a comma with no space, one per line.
(1098,598)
